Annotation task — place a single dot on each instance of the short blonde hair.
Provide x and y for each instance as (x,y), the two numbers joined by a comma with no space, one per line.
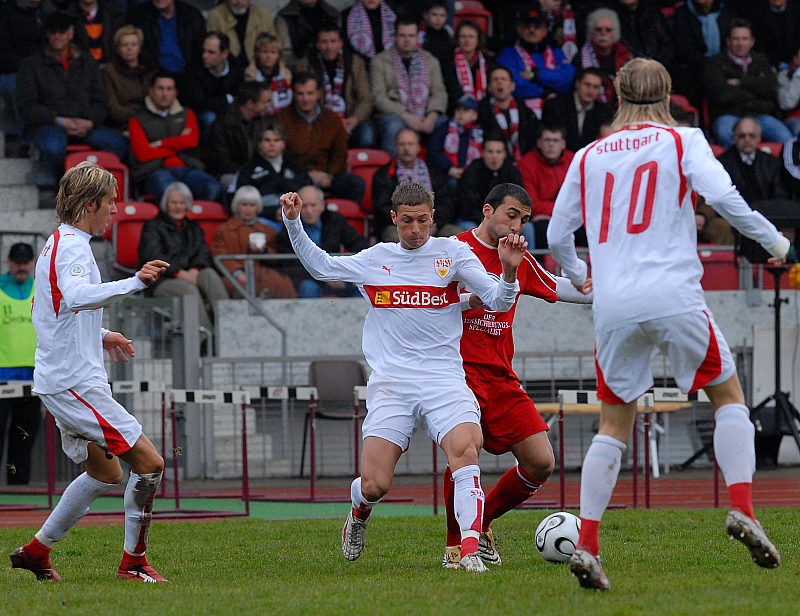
(643,86)
(126,31)
(246,193)
(411,193)
(82,184)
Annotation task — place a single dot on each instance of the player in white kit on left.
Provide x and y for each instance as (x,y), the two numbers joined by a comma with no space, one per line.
(411,341)
(632,191)
(70,377)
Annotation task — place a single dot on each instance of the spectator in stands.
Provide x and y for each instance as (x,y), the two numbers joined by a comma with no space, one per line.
(330,231)
(173,32)
(435,34)
(268,67)
(505,113)
(370,27)
(297,24)
(271,173)
(21,34)
(467,70)
(561,27)
(316,140)
(492,168)
(173,236)
(211,84)
(644,31)
(242,234)
(741,82)
(603,49)
(777,30)
(407,86)
(345,79)
(96,22)
(407,166)
(242,21)
(164,137)
(789,92)
(126,77)
(456,144)
(20,418)
(699,30)
(579,111)
(62,99)
(234,134)
(543,171)
(538,69)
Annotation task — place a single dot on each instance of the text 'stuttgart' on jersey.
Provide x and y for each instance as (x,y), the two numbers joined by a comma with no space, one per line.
(67,312)
(413,328)
(632,190)
(487,340)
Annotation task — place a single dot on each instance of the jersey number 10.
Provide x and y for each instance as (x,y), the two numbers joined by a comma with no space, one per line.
(649,196)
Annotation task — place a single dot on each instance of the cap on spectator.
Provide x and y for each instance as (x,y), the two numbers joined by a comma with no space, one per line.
(21,253)
(58,21)
(468,102)
(530,17)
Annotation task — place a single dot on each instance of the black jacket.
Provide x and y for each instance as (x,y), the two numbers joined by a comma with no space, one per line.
(110,15)
(561,110)
(764,180)
(528,123)
(338,235)
(476,182)
(201,91)
(21,32)
(183,248)
(260,173)
(690,48)
(191,30)
(645,33)
(777,34)
(232,140)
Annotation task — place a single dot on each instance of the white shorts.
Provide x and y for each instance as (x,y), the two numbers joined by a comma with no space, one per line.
(88,412)
(394,408)
(697,351)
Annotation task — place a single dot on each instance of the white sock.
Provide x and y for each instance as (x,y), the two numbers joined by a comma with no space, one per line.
(361,504)
(734,446)
(72,506)
(139,495)
(468,501)
(599,475)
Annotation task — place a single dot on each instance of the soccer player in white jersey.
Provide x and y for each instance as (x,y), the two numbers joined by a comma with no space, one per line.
(632,191)
(70,377)
(411,341)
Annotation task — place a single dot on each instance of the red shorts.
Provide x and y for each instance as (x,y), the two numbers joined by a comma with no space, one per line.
(508,415)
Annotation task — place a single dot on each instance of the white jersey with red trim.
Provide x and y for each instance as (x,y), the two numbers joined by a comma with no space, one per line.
(67,312)
(413,328)
(632,190)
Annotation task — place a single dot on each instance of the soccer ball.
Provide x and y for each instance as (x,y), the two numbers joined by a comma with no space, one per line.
(557,536)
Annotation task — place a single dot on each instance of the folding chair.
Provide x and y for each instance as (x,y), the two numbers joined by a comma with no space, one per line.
(210,215)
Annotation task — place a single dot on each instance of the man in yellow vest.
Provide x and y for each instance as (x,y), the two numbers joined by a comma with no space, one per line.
(21,417)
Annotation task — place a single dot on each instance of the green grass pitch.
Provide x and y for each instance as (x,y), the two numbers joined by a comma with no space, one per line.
(659,562)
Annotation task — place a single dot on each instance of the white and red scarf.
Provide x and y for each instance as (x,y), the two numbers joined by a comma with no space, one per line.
(413,83)
(453,137)
(419,173)
(421,36)
(475,87)
(511,132)
(569,42)
(281,92)
(359,30)
(535,104)
(334,92)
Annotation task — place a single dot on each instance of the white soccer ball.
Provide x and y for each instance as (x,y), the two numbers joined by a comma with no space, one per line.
(557,536)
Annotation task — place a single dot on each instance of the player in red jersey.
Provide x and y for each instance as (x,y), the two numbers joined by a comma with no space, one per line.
(509,419)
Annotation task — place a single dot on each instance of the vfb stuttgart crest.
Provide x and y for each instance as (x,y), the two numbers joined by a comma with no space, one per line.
(443,266)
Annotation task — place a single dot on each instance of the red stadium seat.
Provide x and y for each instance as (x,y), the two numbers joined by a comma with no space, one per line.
(363,162)
(720,272)
(681,101)
(210,215)
(108,161)
(474,10)
(126,229)
(352,212)
(78,147)
(771,147)
(716,149)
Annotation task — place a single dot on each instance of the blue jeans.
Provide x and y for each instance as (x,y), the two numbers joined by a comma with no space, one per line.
(348,186)
(388,127)
(772,129)
(204,121)
(203,186)
(52,143)
(793,124)
(363,136)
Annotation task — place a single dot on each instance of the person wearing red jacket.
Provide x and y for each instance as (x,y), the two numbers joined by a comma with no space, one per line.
(543,170)
(164,138)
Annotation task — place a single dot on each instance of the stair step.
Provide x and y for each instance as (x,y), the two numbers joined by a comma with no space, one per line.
(15,171)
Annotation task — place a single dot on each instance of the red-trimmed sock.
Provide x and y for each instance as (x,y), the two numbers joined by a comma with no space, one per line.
(129,560)
(361,513)
(513,489)
(589,537)
(742,499)
(453,529)
(37,550)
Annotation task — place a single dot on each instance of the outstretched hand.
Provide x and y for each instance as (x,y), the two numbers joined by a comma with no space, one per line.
(151,271)
(292,204)
(587,286)
(118,346)
(511,249)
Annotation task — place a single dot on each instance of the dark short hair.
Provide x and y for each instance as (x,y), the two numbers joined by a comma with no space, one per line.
(498,194)
(58,21)
(589,70)
(495,136)
(405,20)
(163,74)
(272,125)
(469,23)
(500,67)
(224,40)
(330,26)
(552,127)
(436,4)
(739,23)
(301,79)
(21,253)
(250,91)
